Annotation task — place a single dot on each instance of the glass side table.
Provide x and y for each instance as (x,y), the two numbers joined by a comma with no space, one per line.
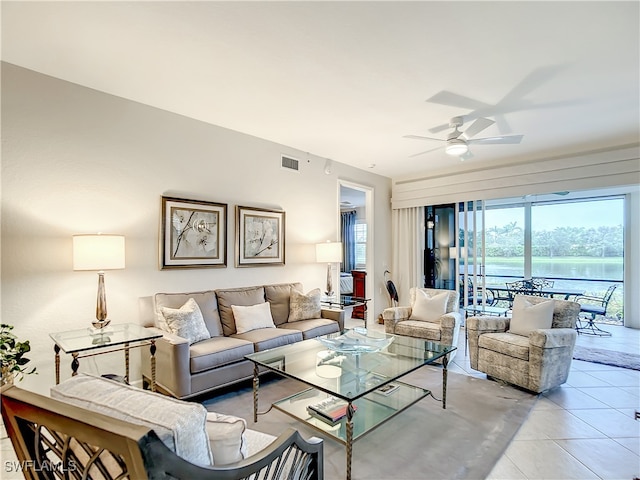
(85,342)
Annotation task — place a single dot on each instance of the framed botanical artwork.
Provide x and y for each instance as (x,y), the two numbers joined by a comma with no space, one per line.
(194,234)
(259,237)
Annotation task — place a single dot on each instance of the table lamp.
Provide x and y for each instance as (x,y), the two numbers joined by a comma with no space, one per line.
(329,252)
(99,252)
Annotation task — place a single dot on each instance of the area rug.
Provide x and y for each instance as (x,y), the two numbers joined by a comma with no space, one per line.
(423,442)
(607,357)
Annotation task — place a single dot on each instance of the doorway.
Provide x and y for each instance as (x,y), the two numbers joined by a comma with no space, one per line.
(356,210)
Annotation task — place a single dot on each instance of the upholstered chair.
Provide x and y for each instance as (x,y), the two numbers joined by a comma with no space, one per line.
(432,314)
(533,349)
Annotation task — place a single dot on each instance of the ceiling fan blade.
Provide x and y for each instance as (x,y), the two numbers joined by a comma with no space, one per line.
(419,137)
(532,81)
(476,127)
(454,100)
(439,128)
(509,139)
(422,153)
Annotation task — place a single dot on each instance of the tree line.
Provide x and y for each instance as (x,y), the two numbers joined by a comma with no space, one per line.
(508,241)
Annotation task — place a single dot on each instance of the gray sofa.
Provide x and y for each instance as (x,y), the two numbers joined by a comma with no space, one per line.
(185,370)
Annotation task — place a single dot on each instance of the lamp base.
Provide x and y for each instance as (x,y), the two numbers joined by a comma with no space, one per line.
(100,326)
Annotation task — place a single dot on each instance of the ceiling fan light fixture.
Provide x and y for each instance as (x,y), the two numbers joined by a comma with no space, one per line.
(456,147)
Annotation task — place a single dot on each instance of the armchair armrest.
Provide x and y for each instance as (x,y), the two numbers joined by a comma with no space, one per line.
(393,315)
(553,337)
(488,324)
(477,326)
(172,363)
(450,328)
(305,461)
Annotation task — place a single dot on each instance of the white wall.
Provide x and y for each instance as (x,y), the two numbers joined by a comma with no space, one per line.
(75,160)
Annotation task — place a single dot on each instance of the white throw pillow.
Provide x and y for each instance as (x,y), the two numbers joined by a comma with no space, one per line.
(429,308)
(226,438)
(180,425)
(186,321)
(252,317)
(304,307)
(527,316)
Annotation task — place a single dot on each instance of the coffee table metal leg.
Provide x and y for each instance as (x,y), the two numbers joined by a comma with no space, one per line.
(445,362)
(349,428)
(256,384)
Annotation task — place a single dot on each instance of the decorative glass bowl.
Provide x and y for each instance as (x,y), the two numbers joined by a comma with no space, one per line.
(357,340)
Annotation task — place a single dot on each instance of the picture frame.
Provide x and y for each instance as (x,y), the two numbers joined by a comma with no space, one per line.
(260,237)
(193,234)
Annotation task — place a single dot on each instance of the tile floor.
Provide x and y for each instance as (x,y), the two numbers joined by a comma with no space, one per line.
(582,430)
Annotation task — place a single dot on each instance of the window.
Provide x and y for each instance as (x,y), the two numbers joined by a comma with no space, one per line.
(361,244)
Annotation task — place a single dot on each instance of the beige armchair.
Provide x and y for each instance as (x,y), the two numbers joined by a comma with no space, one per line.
(537,361)
(433,315)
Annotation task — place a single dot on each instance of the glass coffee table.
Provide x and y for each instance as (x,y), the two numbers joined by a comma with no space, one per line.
(350,392)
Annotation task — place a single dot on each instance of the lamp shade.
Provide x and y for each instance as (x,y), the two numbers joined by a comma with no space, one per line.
(98,252)
(329,252)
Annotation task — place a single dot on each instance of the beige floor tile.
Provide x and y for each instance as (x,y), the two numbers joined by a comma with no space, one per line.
(596,454)
(555,424)
(584,379)
(631,444)
(613,396)
(505,469)
(611,423)
(545,459)
(571,397)
(619,377)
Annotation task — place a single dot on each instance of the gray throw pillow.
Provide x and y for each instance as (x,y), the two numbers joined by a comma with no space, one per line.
(304,307)
(186,321)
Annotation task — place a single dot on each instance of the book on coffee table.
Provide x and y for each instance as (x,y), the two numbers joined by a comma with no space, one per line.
(332,409)
(388,389)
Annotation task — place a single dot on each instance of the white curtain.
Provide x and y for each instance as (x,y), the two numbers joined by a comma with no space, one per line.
(408,250)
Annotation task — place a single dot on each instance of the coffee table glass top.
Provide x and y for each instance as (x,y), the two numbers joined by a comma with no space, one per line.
(116,334)
(350,376)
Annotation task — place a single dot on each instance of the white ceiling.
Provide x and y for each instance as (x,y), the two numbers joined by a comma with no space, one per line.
(346,80)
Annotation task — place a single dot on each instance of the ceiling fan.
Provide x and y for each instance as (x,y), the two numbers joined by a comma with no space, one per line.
(457,142)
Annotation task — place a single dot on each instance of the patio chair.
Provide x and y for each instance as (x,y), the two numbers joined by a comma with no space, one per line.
(593,306)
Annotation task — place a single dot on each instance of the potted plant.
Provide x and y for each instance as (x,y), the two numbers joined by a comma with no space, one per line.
(12,355)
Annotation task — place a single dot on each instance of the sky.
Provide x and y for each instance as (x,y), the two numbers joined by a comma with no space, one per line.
(591,214)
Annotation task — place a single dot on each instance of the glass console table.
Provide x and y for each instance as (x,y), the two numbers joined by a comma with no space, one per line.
(356,380)
(85,342)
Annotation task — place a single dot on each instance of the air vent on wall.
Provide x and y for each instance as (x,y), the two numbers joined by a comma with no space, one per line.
(290,163)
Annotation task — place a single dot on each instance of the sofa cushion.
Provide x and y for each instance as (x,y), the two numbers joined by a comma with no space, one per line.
(226,438)
(419,329)
(186,321)
(216,352)
(516,346)
(278,297)
(180,425)
(236,296)
(304,307)
(266,338)
(527,316)
(314,327)
(428,307)
(252,317)
(206,301)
